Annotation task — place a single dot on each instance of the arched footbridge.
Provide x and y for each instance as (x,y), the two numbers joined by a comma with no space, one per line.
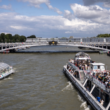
(13,47)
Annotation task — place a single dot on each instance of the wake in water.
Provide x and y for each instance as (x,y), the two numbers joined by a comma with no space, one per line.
(68,87)
(80,98)
(85,106)
(15,70)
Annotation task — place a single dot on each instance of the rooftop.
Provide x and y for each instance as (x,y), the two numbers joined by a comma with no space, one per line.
(97,63)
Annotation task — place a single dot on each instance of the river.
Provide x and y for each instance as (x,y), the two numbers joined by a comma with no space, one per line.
(39,83)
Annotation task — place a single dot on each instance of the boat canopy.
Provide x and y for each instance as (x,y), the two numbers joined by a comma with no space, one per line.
(3,66)
(82,56)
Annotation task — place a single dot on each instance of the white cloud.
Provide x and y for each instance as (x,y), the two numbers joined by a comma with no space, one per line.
(107,4)
(58,11)
(68,15)
(92,13)
(19,27)
(36,3)
(68,32)
(7,7)
(49,25)
(67,12)
(91,2)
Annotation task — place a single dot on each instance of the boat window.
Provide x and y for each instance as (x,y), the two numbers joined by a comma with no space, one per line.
(95,92)
(102,67)
(98,67)
(95,67)
(91,67)
(88,85)
(76,74)
(105,97)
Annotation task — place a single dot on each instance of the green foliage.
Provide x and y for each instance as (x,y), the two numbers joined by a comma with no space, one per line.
(10,38)
(71,37)
(2,37)
(63,38)
(32,36)
(103,35)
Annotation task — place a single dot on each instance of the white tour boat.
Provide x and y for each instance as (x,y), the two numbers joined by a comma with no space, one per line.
(5,70)
(91,79)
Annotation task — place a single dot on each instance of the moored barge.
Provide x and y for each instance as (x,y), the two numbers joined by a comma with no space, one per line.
(91,79)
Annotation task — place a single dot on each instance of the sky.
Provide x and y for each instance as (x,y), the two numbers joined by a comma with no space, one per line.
(55,18)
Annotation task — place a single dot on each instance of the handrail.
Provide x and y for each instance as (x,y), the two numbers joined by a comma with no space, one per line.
(98,82)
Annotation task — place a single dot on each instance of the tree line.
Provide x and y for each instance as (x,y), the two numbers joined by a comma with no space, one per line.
(9,38)
(21,38)
(103,35)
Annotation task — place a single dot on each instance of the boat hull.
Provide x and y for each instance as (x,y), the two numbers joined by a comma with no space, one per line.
(81,89)
(6,74)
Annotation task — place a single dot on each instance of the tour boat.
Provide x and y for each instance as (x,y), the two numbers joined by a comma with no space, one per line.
(91,79)
(5,70)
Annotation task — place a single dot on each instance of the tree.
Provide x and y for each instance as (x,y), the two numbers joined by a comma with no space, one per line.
(103,35)
(7,38)
(32,36)
(16,38)
(22,38)
(3,37)
(10,37)
(0,39)
(71,37)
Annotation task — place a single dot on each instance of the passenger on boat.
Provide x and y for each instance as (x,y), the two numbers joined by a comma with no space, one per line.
(87,88)
(80,66)
(85,66)
(69,69)
(102,102)
(98,99)
(106,83)
(94,74)
(71,60)
(67,66)
(72,72)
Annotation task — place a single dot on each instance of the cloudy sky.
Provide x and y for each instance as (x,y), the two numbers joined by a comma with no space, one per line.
(55,18)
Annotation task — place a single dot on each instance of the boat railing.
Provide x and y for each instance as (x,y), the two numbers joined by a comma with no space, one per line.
(94,99)
(97,81)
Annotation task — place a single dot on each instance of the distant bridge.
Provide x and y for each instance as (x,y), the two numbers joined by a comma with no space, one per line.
(96,44)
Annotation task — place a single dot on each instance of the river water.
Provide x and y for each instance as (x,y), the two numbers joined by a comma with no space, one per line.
(39,83)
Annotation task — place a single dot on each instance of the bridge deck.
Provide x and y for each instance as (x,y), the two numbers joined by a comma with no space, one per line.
(75,51)
(74,44)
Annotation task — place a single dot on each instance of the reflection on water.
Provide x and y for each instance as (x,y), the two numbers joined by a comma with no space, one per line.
(39,84)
